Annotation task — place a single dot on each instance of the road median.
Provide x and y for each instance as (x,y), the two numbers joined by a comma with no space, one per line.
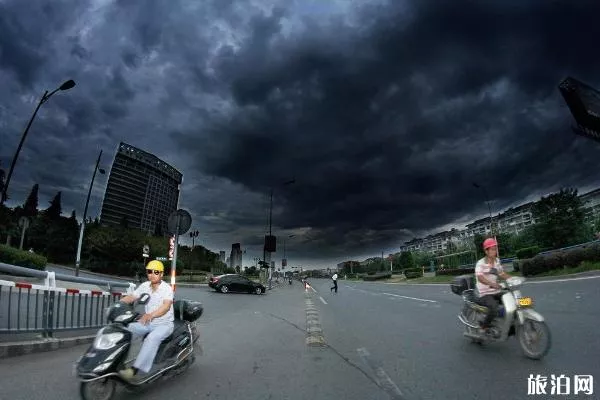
(24,347)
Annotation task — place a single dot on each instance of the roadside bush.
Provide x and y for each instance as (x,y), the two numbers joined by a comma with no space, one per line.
(411,273)
(528,252)
(21,258)
(561,259)
(376,277)
(455,271)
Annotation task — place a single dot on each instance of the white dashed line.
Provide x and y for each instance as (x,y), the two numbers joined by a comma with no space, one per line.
(322,300)
(381,377)
(411,298)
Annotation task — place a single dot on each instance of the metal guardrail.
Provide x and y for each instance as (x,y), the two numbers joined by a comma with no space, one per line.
(569,247)
(26,307)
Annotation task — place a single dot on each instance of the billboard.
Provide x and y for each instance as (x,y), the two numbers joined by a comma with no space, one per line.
(584,103)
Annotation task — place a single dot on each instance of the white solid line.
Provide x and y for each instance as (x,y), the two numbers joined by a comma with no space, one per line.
(322,300)
(564,280)
(412,298)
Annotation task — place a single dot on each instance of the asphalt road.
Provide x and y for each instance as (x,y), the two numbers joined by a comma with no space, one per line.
(384,341)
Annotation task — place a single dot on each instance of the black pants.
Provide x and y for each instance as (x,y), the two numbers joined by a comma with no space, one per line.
(492,302)
(334,286)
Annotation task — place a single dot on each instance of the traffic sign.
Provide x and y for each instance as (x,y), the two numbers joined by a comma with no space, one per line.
(146,251)
(179,219)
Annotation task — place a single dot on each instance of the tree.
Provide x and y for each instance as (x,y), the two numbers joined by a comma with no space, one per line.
(3,197)
(158,230)
(560,219)
(406,260)
(55,209)
(525,238)
(30,208)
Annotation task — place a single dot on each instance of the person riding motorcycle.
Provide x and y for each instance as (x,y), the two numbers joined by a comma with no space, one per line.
(487,283)
(157,321)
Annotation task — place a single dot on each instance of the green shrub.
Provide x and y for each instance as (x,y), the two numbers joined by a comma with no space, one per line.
(561,259)
(10,255)
(378,276)
(455,271)
(528,252)
(411,273)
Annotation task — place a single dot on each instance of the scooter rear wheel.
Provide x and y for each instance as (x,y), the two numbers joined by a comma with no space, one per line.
(98,390)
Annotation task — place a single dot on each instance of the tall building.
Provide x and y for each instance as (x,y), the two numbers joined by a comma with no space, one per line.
(222,256)
(142,191)
(235,259)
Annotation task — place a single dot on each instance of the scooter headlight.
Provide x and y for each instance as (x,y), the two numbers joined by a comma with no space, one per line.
(105,341)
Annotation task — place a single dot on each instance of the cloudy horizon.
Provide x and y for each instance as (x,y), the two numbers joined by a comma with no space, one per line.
(384,112)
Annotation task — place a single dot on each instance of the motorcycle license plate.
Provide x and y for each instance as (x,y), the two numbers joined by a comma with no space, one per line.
(525,301)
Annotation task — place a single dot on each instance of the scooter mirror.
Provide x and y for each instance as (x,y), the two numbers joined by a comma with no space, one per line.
(143,298)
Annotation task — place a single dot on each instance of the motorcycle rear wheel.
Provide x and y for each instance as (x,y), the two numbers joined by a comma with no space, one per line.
(524,341)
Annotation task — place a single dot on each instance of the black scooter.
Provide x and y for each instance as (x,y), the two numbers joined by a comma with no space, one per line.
(98,369)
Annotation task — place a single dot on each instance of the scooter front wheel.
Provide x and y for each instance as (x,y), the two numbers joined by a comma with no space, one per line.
(534,338)
(101,389)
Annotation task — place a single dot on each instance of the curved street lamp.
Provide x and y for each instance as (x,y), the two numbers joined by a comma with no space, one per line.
(65,86)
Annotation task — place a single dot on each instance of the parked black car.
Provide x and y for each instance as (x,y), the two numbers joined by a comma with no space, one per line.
(235,283)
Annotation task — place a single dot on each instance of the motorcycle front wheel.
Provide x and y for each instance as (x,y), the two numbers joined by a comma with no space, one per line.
(534,338)
(101,389)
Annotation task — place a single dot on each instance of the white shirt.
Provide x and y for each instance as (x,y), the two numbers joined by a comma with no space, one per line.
(334,277)
(157,298)
(483,269)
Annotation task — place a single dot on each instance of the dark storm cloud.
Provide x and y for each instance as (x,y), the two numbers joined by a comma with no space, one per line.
(386,131)
(384,114)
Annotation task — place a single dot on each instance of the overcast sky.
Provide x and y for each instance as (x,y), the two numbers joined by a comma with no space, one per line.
(383,112)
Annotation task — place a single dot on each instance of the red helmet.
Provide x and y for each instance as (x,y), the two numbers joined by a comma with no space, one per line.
(491,242)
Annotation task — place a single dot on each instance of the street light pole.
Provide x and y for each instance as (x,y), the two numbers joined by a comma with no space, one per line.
(487,200)
(65,86)
(485,193)
(271,230)
(87,202)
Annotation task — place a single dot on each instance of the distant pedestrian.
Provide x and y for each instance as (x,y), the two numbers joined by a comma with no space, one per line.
(335,279)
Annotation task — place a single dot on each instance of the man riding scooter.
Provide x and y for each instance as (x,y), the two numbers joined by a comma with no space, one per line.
(157,321)
(487,283)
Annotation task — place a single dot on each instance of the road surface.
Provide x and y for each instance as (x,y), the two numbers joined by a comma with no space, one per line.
(383,341)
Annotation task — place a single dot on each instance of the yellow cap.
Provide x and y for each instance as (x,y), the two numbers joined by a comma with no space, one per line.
(156,265)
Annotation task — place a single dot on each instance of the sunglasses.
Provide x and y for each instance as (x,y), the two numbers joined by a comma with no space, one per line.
(155,272)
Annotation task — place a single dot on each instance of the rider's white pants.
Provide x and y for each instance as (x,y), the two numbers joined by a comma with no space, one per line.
(157,333)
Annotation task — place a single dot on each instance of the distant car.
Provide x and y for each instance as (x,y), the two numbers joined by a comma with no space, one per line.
(212,282)
(236,283)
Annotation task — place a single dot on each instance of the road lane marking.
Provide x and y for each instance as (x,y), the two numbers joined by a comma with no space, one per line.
(382,379)
(411,298)
(322,300)
(563,280)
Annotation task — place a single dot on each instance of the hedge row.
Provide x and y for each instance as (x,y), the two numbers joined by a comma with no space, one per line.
(376,277)
(528,252)
(411,273)
(455,271)
(21,258)
(561,259)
